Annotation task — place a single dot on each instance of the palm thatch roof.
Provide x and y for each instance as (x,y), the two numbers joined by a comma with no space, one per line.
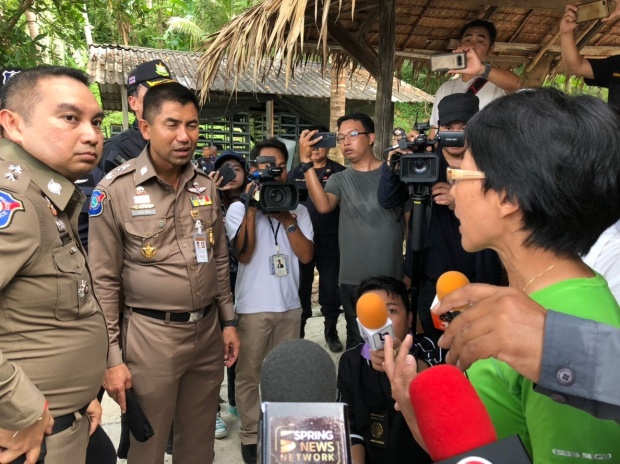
(349,31)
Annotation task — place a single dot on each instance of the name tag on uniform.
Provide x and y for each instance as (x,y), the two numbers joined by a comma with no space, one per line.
(143,212)
(202,252)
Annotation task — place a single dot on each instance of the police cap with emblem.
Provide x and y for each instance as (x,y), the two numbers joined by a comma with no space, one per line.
(150,74)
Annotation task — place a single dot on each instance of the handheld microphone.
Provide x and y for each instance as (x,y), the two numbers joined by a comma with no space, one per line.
(300,419)
(447,283)
(455,424)
(373,320)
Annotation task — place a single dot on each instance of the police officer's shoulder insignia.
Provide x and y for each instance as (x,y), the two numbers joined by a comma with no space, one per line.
(96,203)
(8,207)
(118,172)
(13,177)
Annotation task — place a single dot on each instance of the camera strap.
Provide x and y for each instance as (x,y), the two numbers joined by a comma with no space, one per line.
(476,86)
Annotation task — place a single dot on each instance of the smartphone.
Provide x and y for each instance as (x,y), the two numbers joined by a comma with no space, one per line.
(227,173)
(328,140)
(446,61)
(591,11)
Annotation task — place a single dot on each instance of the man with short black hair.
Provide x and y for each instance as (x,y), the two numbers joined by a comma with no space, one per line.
(53,336)
(326,257)
(159,252)
(269,247)
(476,40)
(364,224)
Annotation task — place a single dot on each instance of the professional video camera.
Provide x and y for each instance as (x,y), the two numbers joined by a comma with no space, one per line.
(273,196)
(422,166)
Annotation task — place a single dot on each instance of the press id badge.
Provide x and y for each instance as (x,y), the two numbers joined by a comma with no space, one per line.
(200,244)
(278,265)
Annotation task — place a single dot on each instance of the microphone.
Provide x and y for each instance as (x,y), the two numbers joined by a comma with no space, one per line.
(447,283)
(402,144)
(300,419)
(455,424)
(298,371)
(373,320)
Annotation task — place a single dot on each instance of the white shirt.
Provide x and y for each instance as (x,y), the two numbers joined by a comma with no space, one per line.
(604,258)
(257,290)
(486,94)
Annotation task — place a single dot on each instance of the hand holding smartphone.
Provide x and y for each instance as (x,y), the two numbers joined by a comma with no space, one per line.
(227,173)
(328,140)
(592,11)
(448,61)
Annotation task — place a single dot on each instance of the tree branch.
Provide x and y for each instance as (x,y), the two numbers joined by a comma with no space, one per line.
(25,5)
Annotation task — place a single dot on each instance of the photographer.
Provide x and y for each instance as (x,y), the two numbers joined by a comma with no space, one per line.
(326,251)
(599,72)
(267,300)
(477,39)
(441,240)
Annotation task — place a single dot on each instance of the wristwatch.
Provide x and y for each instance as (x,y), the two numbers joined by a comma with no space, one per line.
(487,70)
(231,323)
(306,166)
(292,228)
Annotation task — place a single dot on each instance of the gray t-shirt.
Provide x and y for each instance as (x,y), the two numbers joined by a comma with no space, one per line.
(370,237)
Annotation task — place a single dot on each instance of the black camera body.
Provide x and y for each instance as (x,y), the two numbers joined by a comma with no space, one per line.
(422,166)
(273,196)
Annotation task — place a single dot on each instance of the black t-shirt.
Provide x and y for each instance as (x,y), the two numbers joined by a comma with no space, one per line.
(372,418)
(607,74)
(325,225)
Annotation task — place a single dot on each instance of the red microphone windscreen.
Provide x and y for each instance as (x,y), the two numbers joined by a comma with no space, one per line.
(451,417)
(371,311)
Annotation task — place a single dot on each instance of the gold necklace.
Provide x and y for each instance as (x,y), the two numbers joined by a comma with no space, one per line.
(537,276)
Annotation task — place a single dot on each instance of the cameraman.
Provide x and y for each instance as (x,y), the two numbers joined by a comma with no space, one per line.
(441,248)
(267,300)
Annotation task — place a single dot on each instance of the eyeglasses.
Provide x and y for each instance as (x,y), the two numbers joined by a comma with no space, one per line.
(454,175)
(350,136)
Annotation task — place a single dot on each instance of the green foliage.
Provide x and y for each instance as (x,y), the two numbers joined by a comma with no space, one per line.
(60,32)
(406,114)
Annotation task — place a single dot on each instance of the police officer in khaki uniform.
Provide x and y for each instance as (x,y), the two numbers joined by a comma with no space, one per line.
(52,331)
(157,241)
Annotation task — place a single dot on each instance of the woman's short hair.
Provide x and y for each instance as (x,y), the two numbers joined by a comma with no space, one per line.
(558,158)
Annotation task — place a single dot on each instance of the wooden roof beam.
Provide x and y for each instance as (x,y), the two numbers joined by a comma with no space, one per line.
(557,5)
(521,26)
(359,49)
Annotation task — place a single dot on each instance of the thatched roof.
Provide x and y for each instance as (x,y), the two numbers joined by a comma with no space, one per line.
(110,65)
(343,31)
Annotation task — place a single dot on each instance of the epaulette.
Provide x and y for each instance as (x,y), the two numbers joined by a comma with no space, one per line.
(122,170)
(14,177)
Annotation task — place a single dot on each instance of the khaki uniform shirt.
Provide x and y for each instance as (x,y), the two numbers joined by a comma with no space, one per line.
(52,331)
(141,244)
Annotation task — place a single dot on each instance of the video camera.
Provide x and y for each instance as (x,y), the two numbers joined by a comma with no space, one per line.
(422,166)
(273,196)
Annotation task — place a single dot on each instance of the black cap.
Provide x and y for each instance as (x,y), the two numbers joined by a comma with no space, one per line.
(228,155)
(150,74)
(457,107)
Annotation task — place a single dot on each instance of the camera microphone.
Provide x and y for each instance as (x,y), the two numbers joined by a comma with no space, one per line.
(402,144)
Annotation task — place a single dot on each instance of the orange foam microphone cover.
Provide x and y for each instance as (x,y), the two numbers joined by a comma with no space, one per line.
(447,283)
(371,311)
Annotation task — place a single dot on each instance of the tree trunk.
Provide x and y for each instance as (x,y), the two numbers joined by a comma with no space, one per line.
(33,26)
(337,108)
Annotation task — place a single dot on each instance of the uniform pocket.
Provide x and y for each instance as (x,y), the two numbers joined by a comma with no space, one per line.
(146,240)
(73,283)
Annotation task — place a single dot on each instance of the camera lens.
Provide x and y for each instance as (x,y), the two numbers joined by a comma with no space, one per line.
(276,196)
(420,166)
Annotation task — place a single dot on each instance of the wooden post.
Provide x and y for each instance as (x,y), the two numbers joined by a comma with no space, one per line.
(337,107)
(269,111)
(384,108)
(124,107)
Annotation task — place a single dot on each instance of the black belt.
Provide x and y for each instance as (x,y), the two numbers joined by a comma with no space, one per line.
(193,316)
(62,423)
